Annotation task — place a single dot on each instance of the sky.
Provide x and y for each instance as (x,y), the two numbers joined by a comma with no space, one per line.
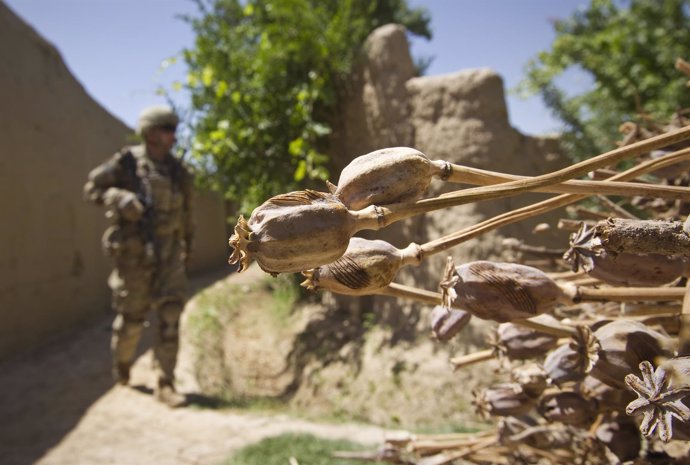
(116,48)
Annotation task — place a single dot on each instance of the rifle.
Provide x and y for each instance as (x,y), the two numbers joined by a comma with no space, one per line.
(145,196)
(147,221)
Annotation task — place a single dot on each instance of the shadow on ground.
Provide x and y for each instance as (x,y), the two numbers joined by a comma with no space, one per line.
(44,394)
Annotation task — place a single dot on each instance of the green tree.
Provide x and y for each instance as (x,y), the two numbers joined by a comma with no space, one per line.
(629,49)
(264,76)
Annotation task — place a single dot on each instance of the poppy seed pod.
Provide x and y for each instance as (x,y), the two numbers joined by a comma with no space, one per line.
(518,343)
(365,267)
(621,269)
(621,436)
(572,361)
(503,400)
(567,407)
(499,291)
(293,232)
(446,323)
(609,399)
(678,370)
(624,344)
(531,377)
(438,315)
(563,365)
(386,176)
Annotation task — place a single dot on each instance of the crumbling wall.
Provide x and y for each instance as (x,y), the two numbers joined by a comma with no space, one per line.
(460,117)
(52,271)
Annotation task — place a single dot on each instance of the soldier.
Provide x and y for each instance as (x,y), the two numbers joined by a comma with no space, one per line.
(147,194)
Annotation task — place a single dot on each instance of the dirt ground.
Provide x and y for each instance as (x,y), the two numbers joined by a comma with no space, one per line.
(58,406)
(378,365)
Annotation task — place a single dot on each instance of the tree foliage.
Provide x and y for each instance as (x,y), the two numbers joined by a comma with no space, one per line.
(263,77)
(629,49)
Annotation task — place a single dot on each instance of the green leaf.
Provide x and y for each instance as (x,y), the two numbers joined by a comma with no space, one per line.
(301,171)
(221,88)
(192,79)
(207,76)
(264,79)
(296,147)
(625,47)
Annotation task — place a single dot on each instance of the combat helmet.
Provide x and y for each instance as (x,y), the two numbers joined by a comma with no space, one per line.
(156,116)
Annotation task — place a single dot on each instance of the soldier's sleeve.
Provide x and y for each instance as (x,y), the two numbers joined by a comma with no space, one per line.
(100,180)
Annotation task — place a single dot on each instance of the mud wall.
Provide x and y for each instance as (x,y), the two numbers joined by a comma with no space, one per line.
(52,271)
(460,117)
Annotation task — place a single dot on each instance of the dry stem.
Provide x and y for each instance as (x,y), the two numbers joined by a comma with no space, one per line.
(649,310)
(471,359)
(392,213)
(447,242)
(628,294)
(434,298)
(479,356)
(429,447)
(446,458)
(684,332)
(465,174)
(617,209)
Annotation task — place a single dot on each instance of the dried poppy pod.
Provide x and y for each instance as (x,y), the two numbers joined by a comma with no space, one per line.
(531,377)
(568,407)
(621,269)
(624,344)
(621,436)
(390,175)
(658,401)
(446,323)
(500,291)
(572,361)
(519,343)
(678,370)
(293,232)
(563,365)
(609,399)
(365,267)
(507,399)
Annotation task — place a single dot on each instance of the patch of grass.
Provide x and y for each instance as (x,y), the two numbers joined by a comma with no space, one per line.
(216,310)
(285,293)
(213,307)
(305,448)
(398,368)
(246,403)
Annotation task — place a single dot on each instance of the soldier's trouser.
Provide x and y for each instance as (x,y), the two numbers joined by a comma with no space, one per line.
(167,341)
(127,330)
(137,289)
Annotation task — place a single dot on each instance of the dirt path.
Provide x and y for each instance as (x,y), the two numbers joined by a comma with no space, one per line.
(58,407)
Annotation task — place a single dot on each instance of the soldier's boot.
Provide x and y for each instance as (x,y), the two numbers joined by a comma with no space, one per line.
(165,393)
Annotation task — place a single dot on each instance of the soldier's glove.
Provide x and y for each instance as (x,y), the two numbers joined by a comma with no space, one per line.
(126,203)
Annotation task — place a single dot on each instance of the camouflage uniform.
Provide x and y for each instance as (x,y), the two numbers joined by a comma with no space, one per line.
(149,205)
